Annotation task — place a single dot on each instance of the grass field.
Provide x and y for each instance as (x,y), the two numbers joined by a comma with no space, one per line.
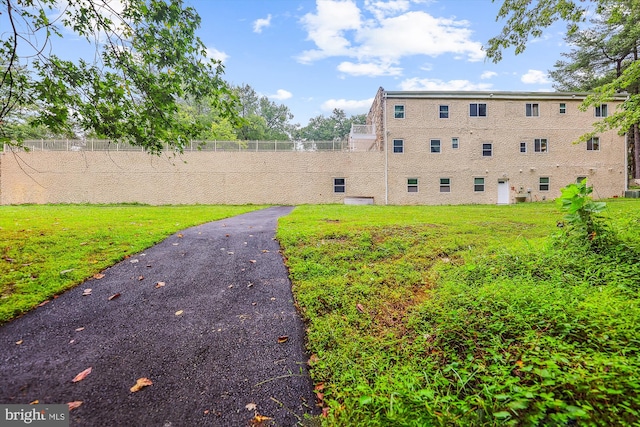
(45,250)
(416,316)
(467,315)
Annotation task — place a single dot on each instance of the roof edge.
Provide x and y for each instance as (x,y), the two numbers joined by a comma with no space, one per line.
(494,95)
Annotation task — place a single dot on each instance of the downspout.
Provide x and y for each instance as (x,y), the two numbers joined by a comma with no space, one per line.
(626,161)
(386,150)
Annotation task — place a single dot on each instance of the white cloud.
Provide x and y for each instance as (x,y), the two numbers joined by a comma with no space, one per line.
(216,54)
(348,106)
(261,23)
(281,94)
(384,32)
(369,69)
(437,84)
(488,75)
(535,77)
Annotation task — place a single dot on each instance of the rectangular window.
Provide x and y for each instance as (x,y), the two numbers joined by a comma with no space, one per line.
(580,179)
(455,143)
(593,144)
(532,110)
(339,185)
(478,184)
(435,145)
(412,185)
(523,147)
(487,150)
(444,111)
(544,183)
(445,185)
(398,112)
(563,108)
(398,145)
(478,110)
(540,145)
(601,110)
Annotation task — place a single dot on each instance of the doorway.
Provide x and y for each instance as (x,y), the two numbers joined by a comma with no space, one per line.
(503,192)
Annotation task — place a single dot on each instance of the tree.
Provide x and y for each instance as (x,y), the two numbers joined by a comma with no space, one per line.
(263,119)
(333,128)
(150,58)
(614,38)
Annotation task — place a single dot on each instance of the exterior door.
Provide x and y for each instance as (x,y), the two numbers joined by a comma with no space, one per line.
(503,192)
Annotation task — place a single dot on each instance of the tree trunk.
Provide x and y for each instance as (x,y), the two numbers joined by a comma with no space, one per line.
(636,151)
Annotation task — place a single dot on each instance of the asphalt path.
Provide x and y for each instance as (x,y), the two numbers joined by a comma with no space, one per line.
(207,316)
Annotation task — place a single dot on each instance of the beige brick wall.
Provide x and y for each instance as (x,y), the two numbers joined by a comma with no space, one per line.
(199,177)
(505,127)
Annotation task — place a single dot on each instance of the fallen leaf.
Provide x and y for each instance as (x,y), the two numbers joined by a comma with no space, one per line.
(226,235)
(114,296)
(179,312)
(86,292)
(259,419)
(35,402)
(180,236)
(320,396)
(80,329)
(229,253)
(140,277)
(360,308)
(72,341)
(283,339)
(325,412)
(175,244)
(230,286)
(319,386)
(98,276)
(44,303)
(249,285)
(82,375)
(19,342)
(520,363)
(264,251)
(252,261)
(74,405)
(159,285)
(140,384)
(251,407)
(67,271)
(206,411)
(134,261)
(313,360)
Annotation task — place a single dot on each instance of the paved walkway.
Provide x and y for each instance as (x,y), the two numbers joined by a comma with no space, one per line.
(221,340)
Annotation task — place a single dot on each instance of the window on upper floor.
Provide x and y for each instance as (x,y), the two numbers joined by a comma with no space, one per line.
(435,146)
(445,185)
(478,110)
(593,144)
(455,143)
(398,145)
(563,108)
(412,185)
(523,147)
(339,185)
(398,112)
(580,179)
(444,111)
(601,110)
(540,145)
(478,184)
(544,183)
(487,150)
(532,110)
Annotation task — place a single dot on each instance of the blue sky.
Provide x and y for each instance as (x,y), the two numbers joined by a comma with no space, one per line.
(314,56)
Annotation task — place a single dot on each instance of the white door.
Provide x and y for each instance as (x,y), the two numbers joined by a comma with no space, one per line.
(503,192)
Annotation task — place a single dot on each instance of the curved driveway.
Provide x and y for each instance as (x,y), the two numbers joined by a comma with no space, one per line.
(220,340)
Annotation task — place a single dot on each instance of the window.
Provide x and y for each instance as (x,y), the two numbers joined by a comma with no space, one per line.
(478,110)
(487,150)
(532,110)
(601,110)
(398,112)
(544,183)
(593,144)
(540,145)
(523,147)
(580,179)
(412,185)
(563,108)
(445,185)
(444,111)
(398,145)
(455,142)
(339,185)
(478,184)
(435,145)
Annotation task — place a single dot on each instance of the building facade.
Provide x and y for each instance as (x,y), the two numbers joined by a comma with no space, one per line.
(416,148)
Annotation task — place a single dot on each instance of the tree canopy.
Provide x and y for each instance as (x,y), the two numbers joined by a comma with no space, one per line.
(604,58)
(148,58)
(336,127)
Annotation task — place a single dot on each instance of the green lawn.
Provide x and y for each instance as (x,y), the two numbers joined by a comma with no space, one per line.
(467,315)
(47,249)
